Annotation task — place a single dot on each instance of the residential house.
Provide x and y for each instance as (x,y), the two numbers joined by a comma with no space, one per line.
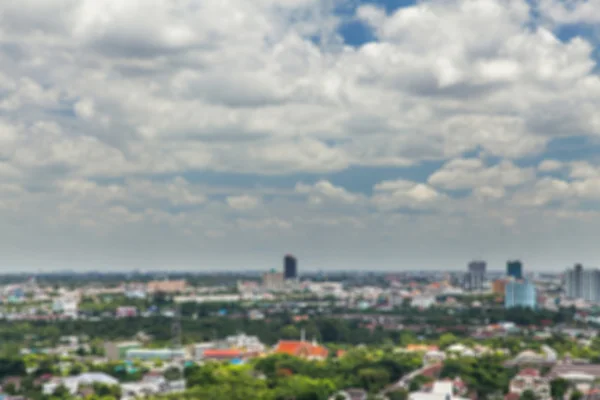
(530,379)
(440,390)
(434,357)
(73,383)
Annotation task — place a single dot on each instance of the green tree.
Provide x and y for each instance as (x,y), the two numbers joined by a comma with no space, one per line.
(528,395)
(576,395)
(400,394)
(558,388)
(10,388)
(173,374)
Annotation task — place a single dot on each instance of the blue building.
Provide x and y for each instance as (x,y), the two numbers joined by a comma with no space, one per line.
(514,269)
(520,294)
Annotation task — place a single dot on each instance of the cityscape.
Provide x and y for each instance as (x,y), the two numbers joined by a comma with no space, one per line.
(411,335)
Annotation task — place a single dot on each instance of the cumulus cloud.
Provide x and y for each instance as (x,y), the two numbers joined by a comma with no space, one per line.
(392,195)
(471,173)
(243,202)
(103,114)
(323,191)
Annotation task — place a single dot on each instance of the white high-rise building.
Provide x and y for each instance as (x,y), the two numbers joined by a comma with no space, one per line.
(583,284)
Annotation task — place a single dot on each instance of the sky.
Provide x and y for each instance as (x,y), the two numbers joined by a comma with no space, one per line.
(355,134)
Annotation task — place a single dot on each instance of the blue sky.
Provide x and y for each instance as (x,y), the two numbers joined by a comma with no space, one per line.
(354,134)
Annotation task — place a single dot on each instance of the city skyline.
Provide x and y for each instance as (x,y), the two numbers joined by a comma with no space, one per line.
(358,135)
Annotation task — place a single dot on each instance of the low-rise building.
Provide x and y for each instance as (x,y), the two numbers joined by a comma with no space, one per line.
(73,383)
(126,312)
(301,349)
(118,350)
(440,390)
(155,354)
(530,379)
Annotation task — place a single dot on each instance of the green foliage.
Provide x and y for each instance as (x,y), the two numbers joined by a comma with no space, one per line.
(485,375)
(11,367)
(172,374)
(576,395)
(558,388)
(399,394)
(528,395)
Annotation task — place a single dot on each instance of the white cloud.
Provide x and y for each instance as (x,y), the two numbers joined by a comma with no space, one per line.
(102,112)
(391,195)
(243,202)
(325,191)
(471,173)
(550,166)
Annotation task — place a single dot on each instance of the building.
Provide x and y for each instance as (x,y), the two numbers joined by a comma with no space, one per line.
(273,280)
(422,301)
(590,286)
(574,282)
(290,267)
(441,390)
(475,277)
(166,286)
(520,294)
(302,349)
(126,312)
(118,351)
(73,383)
(582,284)
(499,286)
(530,379)
(514,269)
(155,354)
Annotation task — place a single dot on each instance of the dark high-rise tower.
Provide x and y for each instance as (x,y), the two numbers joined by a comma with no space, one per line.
(290,267)
(514,269)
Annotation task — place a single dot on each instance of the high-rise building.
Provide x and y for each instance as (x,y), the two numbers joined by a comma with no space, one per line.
(290,267)
(273,280)
(520,294)
(514,269)
(574,282)
(476,275)
(583,284)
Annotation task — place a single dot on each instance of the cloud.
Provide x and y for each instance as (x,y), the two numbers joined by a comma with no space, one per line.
(109,121)
(392,195)
(243,202)
(550,166)
(324,191)
(471,173)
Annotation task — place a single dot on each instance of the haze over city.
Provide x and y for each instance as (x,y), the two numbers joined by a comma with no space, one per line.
(357,135)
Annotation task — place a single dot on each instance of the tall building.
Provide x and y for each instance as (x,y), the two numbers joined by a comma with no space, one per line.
(574,282)
(290,267)
(583,284)
(520,294)
(476,275)
(514,269)
(273,280)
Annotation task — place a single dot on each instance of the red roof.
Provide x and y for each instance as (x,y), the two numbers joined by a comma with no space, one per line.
(300,349)
(222,353)
(529,372)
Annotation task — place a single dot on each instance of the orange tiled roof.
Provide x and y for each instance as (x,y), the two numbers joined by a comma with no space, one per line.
(421,347)
(300,349)
(222,353)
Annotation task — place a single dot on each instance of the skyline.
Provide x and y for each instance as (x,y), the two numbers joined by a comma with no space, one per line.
(355,134)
